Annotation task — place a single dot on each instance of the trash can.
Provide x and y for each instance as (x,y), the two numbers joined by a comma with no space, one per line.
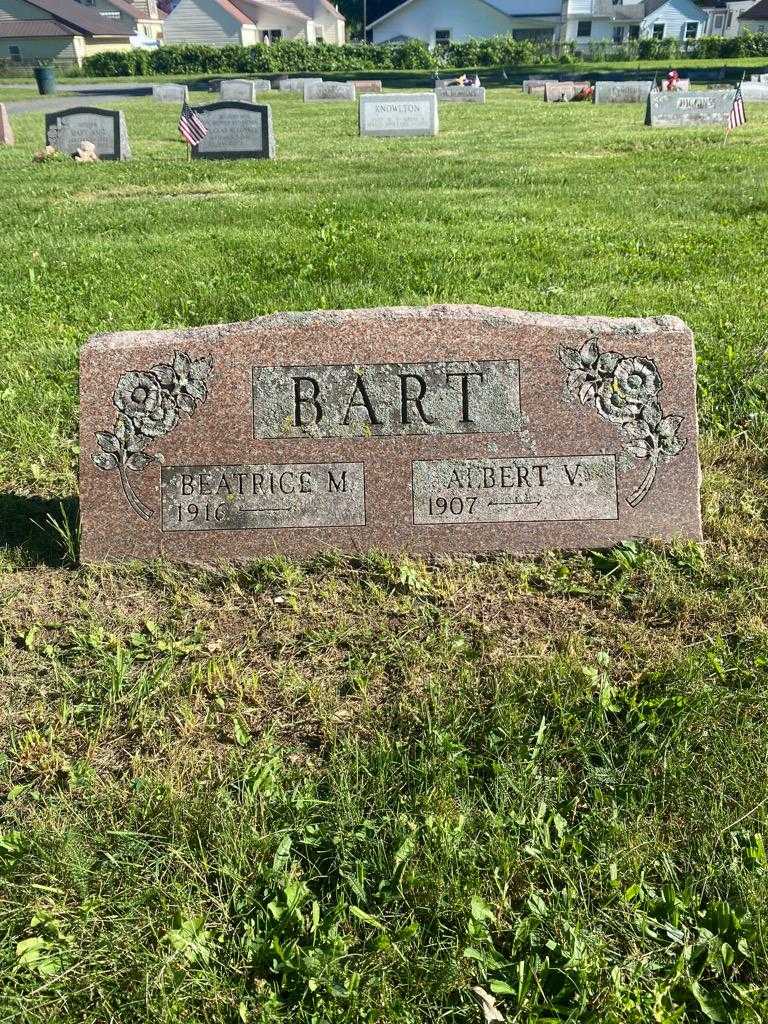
(46,80)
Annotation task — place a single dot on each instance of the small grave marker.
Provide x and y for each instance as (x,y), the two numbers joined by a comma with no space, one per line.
(460,93)
(236,131)
(65,130)
(329,92)
(622,92)
(170,92)
(243,89)
(679,110)
(399,114)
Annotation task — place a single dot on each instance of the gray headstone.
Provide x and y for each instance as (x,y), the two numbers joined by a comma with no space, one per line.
(6,132)
(755,92)
(296,84)
(759,78)
(534,83)
(399,114)
(622,92)
(66,129)
(243,89)
(236,131)
(677,110)
(367,85)
(324,92)
(460,93)
(170,92)
(557,92)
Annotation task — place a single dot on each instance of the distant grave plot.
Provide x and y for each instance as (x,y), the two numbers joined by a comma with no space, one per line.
(460,93)
(236,131)
(529,84)
(65,130)
(557,92)
(448,429)
(399,114)
(680,110)
(367,85)
(329,92)
(169,92)
(245,90)
(755,92)
(759,78)
(630,91)
(296,84)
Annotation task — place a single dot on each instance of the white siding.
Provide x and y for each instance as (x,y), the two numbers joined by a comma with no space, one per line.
(602,28)
(674,16)
(200,21)
(466,19)
(49,48)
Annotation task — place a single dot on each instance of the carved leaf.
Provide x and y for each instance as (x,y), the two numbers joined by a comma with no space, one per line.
(108,442)
(165,375)
(652,414)
(672,446)
(636,430)
(589,353)
(608,362)
(138,461)
(569,357)
(104,460)
(197,389)
(640,449)
(669,426)
(181,363)
(587,393)
(186,403)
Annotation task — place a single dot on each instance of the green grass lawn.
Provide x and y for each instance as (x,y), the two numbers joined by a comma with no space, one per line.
(348,791)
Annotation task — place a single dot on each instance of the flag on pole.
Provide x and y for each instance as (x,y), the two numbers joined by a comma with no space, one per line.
(192,129)
(737,116)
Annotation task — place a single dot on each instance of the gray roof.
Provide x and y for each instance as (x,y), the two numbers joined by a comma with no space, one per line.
(73,15)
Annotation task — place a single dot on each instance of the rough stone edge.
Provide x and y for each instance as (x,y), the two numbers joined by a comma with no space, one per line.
(491,315)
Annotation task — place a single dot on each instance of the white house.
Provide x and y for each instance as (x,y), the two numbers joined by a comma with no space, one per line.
(439,22)
(724,16)
(245,22)
(755,19)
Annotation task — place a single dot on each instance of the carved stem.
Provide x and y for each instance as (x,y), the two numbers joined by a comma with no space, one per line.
(133,500)
(634,500)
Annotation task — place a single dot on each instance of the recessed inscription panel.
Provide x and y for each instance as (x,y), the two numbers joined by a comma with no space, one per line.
(266,497)
(386,399)
(524,490)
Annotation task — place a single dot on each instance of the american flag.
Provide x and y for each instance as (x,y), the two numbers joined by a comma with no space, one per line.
(737,116)
(191,127)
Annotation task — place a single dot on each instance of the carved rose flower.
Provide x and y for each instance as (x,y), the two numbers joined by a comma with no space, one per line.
(185,380)
(637,379)
(613,405)
(150,409)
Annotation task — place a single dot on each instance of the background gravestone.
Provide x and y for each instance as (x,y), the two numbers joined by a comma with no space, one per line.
(460,93)
(328,92)
(759,78)
(296,84)
(236,131)
(530,83)
(66,129)
(170,92)
(679,110)
(7,137)
(622,92)
(755,92)
(243,89)
(366,85)
(399,114)
(555,92)
(445,429)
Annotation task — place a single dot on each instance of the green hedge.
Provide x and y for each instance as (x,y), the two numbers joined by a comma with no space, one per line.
(323,58)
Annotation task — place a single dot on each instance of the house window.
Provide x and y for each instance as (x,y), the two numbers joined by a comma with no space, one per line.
(618,35)
(618,3)
(584,29)
(319,34)
(271,35)
(442,37)
(634,31)
(15,54)
(691,29)
(658,30)
(719,22)
(729,20)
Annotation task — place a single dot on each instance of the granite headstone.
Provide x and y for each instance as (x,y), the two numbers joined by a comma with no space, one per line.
(65,130)
(329,92)
(755,92)
(7,137)
(366,85)
(295,84)
(395,114)
(759,78)
(534,83)
(236,131)
(679,110)
(622,92)
(557,92)
(243,89)
(170,92)
(460,93)
(445,429)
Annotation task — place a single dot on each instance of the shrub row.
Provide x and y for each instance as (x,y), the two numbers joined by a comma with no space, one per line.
(293,57)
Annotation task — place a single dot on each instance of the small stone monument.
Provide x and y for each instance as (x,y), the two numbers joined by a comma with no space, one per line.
(395,114)
(680,109)
(243,89)
(7,137)
(437,430)
(629,91)
(367,85)
(170,92)
(296,84)
(66,129)
(236,131)
(329,92)
(460,93)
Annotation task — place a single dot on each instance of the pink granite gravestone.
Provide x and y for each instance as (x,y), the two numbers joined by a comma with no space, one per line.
(445,429)
(7,137)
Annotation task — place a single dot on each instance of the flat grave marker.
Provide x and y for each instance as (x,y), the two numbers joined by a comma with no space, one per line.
(7,138)
(329,92)
(399,114)
(680,110)
(65,130)
(622,92)
(170,92)
(436,430)
(236,131)
(243,89)
(460,93)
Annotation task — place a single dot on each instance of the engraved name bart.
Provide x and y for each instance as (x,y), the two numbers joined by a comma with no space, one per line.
(386,399)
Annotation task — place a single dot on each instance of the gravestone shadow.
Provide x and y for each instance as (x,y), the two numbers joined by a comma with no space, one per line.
(36,528)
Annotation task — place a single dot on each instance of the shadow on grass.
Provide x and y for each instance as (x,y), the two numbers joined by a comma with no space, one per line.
(42,531)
